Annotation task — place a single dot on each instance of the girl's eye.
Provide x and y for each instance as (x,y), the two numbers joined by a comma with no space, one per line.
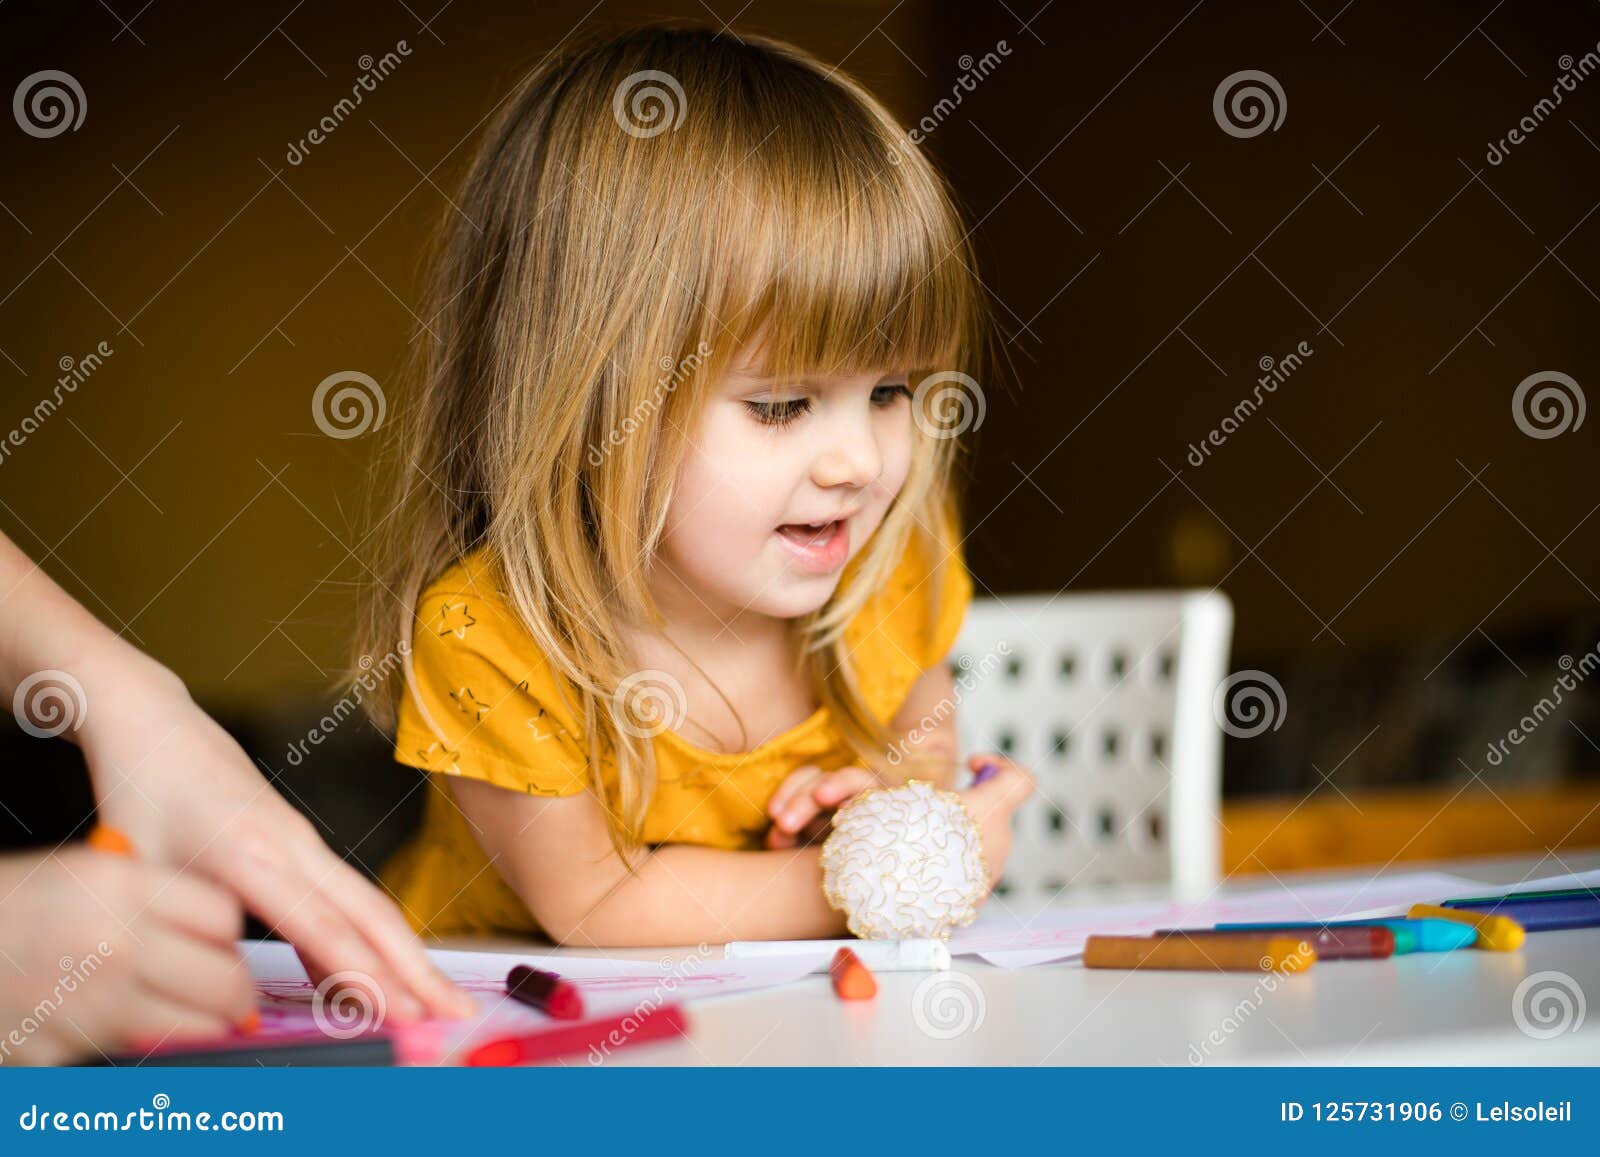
(778,414)
(782,413)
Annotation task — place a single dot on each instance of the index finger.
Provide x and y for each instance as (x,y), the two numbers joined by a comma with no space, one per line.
(387,931)
(297,907)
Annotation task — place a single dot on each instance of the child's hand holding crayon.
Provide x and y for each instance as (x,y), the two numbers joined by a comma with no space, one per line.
(992,799)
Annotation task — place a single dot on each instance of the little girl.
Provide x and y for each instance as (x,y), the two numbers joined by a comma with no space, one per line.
(675,561)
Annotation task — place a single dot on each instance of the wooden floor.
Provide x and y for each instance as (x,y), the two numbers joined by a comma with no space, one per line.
(1333,831)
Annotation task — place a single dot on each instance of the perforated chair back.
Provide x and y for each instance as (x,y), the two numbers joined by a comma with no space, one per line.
(1108,699)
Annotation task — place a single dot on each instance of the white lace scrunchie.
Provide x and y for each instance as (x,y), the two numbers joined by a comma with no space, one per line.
(904,862)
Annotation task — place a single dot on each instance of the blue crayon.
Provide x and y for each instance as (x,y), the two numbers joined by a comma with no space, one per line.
(1426,935)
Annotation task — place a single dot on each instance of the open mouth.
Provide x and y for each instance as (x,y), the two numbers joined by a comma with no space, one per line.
(809,533)
(818,547)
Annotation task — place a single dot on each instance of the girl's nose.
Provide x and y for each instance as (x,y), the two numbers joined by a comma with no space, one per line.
(851,458)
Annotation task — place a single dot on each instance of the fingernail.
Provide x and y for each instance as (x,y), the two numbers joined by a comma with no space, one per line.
(249,1023)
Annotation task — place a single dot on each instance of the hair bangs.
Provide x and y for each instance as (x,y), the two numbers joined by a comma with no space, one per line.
(843,255)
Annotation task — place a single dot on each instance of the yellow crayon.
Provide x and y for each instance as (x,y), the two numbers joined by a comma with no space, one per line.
(1496,933)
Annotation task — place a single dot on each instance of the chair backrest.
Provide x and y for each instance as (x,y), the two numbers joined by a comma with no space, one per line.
(1108,700)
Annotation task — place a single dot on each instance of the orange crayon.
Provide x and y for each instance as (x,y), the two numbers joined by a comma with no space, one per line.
(852,980)
(105,838)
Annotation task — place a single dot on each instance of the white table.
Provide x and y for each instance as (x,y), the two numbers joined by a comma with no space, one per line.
(1452,1008)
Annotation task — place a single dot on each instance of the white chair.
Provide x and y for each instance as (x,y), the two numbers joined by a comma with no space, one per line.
(1108,699)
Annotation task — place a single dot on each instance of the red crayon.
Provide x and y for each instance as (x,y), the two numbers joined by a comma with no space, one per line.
(597,1036)
(546,992)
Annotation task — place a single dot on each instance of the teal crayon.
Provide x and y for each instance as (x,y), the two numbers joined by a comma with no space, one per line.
(1425,935)
(1553,894)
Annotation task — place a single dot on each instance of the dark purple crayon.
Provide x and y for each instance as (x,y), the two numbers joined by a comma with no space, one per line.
(1542,915)
(1369,942)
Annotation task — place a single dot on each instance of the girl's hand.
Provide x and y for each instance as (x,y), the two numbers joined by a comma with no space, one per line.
(992,804)
(803,806)
(188,797)
(111,954)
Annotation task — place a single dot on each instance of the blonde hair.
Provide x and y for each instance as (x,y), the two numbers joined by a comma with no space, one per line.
(659,200)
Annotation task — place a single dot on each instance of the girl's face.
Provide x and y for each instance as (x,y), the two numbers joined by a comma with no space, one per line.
(782,484)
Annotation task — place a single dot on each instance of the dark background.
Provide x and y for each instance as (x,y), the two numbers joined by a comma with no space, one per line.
(1405,560)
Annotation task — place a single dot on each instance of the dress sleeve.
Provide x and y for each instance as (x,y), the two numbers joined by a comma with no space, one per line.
(481,701)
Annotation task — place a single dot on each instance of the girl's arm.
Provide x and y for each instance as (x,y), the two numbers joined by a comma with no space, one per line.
(556,854)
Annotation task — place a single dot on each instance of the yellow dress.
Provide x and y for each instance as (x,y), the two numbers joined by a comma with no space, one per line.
(497,716)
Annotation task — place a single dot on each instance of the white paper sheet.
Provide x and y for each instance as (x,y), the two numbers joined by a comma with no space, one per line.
(610,987)
(1543,884)
(1012,941)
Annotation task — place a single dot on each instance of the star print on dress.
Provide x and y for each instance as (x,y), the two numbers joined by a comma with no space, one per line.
(454,619)
(437,755)
(470,704)
(533,724)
